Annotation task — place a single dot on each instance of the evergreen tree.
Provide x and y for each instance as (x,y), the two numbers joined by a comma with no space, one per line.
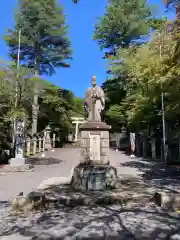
(44,41)
(124,22)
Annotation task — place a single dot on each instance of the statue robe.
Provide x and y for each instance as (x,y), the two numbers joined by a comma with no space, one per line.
(98,105)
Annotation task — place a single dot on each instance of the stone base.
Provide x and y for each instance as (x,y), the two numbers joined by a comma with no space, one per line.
(48,146)
(20,168)
(94,143)
(91,125)
(16,162)
(94,177)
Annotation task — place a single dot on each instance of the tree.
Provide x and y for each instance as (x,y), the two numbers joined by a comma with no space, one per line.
(169,2)
(148,72)
(114,93)
(44,41)
(125,22)
(78,106)
(56,105)
(16,94)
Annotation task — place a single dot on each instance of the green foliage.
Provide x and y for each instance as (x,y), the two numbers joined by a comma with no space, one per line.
(123,23)
(169,2)
(16,92)
(123,30)
(78,107)
(114,93)
(57,106)
(150,69)
(44,41)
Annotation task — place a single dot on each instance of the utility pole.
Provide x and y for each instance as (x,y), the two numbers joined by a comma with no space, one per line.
(19,49)
(162,110)
(16,89)
(35,106)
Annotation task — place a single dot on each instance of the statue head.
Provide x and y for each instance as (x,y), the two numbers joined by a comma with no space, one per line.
(94,81)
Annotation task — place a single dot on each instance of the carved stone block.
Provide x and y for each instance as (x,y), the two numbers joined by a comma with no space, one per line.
(90,177)
(105,143)
(104,151)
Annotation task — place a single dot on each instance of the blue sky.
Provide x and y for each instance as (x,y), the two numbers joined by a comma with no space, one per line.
(87,57)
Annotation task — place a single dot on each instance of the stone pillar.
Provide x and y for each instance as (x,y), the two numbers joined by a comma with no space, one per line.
(76,131)
(39,144)
(70,137)
(94,171)
(19,159)
(48,145)
(153,149)
(28,146)
(42,143)
(133,143)
(44,139)
(54,140)
(34,140)
(35,109)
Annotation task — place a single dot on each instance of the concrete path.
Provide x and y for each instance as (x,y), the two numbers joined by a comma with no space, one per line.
(13,183)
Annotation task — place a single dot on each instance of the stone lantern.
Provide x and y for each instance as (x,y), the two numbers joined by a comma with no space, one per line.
(47,132)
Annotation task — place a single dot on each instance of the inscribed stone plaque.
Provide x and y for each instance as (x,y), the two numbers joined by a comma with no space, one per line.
(95,147)
(20,140)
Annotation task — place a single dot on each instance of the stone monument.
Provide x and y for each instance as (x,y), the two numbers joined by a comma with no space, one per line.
(94,171)
(19,159)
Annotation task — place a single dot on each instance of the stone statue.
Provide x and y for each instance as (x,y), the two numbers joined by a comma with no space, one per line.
(94,102)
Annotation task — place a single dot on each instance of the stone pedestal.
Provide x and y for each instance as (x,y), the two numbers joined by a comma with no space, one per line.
(18,161)
(94,171)
(94,177)
(94,143)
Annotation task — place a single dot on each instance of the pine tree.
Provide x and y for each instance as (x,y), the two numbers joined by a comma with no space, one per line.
(124,22)
(44,41)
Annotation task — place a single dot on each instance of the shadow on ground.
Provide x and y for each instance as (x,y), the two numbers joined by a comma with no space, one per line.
(43,160)
(157,174)
(134,220)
